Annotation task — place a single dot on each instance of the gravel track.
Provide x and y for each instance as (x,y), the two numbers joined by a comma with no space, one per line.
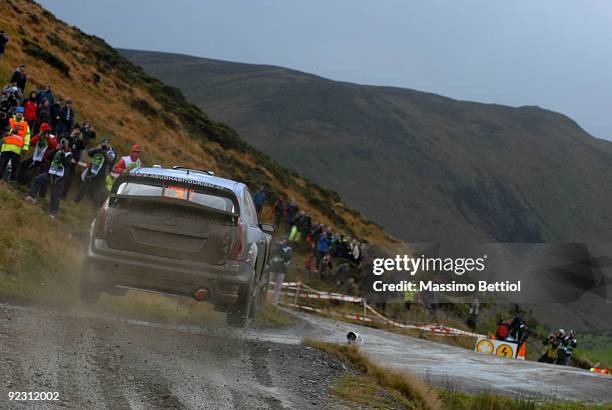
(102,363)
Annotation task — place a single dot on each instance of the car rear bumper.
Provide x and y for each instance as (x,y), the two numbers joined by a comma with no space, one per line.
(107,267)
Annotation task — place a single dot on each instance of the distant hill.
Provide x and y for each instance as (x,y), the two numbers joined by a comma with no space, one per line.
(426,167)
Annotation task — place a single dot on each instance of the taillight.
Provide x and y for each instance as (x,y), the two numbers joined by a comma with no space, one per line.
(238,246)
(101,222)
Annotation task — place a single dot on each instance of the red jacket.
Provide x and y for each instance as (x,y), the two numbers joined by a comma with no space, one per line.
(51,140)
(30,114)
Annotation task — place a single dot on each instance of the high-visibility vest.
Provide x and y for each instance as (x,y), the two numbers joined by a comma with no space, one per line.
(409,296)
(40,149)
(97,162)
(21,139)
(57,165)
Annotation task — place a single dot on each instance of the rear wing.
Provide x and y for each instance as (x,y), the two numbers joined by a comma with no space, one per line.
(167,181)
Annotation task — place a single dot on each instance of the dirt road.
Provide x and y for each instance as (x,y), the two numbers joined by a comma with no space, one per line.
(98,362)
(94,362)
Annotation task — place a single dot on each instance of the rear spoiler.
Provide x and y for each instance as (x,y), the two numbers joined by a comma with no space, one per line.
(163,181)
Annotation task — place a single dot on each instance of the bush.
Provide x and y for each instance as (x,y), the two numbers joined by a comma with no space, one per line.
(144,107)
(58,42)
(37,51)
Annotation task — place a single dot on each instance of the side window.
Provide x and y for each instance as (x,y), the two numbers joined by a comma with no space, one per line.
(249,209)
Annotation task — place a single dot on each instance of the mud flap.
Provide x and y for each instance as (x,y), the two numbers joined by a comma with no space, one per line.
(240,314)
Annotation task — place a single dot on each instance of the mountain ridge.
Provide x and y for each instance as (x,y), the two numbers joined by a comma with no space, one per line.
(475,171)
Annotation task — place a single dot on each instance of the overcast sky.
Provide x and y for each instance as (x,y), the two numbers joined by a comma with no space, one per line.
(551,53)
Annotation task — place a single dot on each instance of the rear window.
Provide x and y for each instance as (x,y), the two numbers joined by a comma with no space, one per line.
(191,195)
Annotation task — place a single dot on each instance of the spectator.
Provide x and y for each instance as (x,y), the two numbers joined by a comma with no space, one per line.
(43,143)
(473,314)
(12,93)
(279,210)
(259,198)
(55,109)
(89,133)
(77,147)
(93,177)
(280,259)
(566,347)
(551,344)
(46,94)
(125,164)
(323,245)
(65,119)
(19,77)
(30,105)
(305,225)
(44,112)
(16,142)
(3,40)
(55,177)
(290,214)
(409,296)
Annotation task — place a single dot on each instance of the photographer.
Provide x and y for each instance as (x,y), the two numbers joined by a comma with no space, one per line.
(44,143)
(93,177)
(77,146)
(89,133)
(61,158)
(551,344)
(16,142)
(566,346)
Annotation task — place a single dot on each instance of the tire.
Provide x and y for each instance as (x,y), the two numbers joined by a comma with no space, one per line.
(88,293)
(260,298)
(239,315)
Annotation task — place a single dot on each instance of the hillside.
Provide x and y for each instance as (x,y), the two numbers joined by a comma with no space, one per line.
(130,106)
(426,167)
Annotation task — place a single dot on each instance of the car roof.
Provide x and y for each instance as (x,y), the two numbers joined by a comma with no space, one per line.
(187,174)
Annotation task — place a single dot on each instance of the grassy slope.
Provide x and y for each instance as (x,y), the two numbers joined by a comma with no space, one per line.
(125,103)
(426,167)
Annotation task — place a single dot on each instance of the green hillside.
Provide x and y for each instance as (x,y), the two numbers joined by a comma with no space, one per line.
(426,167)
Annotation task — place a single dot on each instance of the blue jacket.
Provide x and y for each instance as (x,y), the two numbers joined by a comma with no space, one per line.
(259,197)
(323,243)
(46,95)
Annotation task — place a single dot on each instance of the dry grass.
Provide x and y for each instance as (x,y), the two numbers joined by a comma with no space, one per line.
(409,390)
(270,315)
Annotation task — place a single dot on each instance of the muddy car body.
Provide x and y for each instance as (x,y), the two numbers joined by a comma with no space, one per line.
(184,232)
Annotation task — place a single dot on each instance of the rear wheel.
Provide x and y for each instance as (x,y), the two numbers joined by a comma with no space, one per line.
(88,292)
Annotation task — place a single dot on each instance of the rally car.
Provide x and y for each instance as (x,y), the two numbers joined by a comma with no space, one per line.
(184,232)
